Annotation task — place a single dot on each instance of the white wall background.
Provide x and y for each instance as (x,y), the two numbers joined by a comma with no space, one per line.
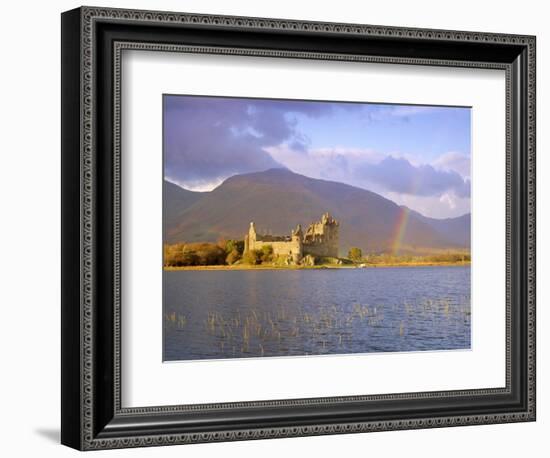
(30,209)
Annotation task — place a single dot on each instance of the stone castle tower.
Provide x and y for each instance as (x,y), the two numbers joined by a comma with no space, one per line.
(322,237)
(319,240)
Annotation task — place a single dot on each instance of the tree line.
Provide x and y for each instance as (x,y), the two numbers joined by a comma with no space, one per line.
(229,252)
(203,253)
(355,254)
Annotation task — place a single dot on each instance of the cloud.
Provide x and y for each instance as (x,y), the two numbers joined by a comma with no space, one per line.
(446,206)
(199,185)
(207,139)
(203,142)
(398,112)
(454,161)
(336,164)
(374,171)
(399,175)
(359,154)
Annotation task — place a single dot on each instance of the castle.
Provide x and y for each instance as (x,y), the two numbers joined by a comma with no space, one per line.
(319,240)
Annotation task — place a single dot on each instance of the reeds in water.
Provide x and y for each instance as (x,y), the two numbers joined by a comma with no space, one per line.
(323,329)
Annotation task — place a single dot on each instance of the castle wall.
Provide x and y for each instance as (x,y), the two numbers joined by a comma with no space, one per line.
(323,249)
(292,247)
(320,240)
(286,249)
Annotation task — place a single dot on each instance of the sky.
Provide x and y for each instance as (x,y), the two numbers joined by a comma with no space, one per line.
(417,156)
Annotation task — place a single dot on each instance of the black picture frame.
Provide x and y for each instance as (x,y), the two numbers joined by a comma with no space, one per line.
(92,416)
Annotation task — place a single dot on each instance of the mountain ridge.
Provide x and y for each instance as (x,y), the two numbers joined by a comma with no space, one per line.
(277,199)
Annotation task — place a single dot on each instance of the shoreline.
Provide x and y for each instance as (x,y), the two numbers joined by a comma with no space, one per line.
(322,266)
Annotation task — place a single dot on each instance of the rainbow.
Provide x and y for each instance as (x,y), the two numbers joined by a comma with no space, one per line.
(399,230)
(403,220)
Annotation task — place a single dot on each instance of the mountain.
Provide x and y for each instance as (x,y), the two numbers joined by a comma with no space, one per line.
(455,230)
(278,199)
(176,201)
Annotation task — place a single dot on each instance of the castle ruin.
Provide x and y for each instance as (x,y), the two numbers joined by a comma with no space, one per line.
(319,240)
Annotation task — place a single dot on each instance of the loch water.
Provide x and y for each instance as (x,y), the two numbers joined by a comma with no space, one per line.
(261,313)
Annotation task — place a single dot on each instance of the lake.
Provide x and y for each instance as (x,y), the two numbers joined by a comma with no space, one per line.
(259,313)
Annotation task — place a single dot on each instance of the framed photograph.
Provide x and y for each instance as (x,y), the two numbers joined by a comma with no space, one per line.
(276,228)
